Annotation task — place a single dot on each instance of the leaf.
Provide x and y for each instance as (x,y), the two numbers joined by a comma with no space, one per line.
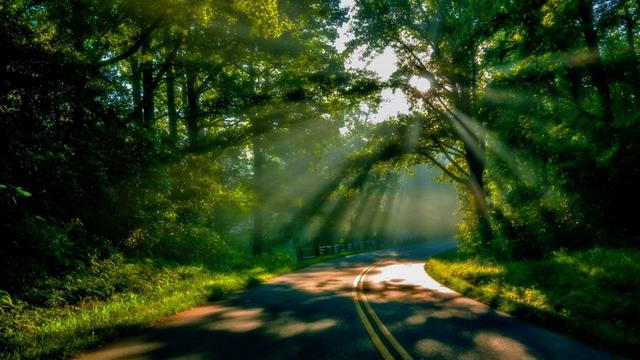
(22,192)
(5,300)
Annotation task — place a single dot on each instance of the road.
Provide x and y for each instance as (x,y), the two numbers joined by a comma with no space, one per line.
(367,306)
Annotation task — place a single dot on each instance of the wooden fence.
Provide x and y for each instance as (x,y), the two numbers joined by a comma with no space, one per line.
(319,250)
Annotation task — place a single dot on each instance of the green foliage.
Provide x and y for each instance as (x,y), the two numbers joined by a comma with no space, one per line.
(590,294)
(533,110)
(60,317)
(130,133)
(191,131)
(182,211)
(115,123)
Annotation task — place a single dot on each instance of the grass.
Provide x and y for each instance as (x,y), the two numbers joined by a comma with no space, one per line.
(115,297)
(591,294)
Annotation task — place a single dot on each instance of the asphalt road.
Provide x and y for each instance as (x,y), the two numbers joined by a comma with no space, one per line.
(367,306)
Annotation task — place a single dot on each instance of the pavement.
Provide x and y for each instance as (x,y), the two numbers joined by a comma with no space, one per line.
(367,306)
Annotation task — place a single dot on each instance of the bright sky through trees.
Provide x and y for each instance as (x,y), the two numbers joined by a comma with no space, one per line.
(384,64)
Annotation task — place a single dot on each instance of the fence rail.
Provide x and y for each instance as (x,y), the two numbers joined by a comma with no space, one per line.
(319,250)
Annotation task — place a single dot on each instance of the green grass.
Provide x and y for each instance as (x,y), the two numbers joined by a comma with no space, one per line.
(115,297)
(592,294)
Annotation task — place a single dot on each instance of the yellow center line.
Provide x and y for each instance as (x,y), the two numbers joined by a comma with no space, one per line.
(375,339)
(360,300)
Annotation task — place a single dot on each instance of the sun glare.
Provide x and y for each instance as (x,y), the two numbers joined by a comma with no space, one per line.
(420,83)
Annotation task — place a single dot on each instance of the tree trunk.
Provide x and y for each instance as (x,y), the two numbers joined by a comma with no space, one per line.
(258,178)
(327,233)
(475,157)
(147,93)
(171,106)
(476,186)
(192,109)
(136,91)
(633,58)
(356,231)
(573,74)
(595,67)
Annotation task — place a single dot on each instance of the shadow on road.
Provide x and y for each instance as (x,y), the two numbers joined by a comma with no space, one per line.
(310,314)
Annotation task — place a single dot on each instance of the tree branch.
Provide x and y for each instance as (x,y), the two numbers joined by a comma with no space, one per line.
(451,160)
(445,170)
(142,38)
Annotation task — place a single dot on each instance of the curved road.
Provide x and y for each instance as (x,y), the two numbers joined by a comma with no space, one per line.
(367,306)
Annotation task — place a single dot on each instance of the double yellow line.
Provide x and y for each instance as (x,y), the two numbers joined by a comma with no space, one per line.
(363,308)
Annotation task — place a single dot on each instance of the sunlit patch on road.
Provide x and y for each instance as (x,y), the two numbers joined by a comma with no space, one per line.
(412,274)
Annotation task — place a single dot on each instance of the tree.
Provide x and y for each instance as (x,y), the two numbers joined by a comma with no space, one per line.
(501,74)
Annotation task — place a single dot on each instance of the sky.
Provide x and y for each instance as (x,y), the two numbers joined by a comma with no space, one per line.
(394,102)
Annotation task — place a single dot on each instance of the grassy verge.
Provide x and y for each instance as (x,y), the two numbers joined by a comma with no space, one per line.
(592,294)
(116,296)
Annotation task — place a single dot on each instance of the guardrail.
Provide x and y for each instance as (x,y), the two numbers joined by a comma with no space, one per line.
(319,250)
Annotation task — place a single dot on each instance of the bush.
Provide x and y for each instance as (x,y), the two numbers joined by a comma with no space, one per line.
(35,246)
(591,294)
